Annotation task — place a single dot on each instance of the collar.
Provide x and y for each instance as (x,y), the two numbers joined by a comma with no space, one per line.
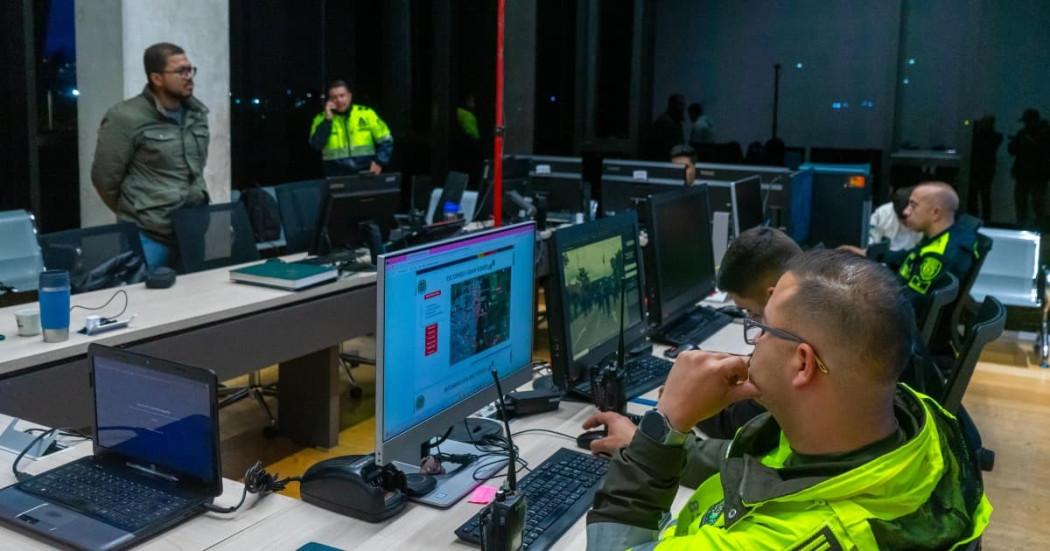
(191,104)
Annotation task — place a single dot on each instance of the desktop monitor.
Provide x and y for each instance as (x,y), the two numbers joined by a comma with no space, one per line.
(364,182)
(447,314)
(452,191)
(799,191)
(746,196)
(560,194)
(589,263)
(625,183)
(566,167)
(352,218)
(679,261)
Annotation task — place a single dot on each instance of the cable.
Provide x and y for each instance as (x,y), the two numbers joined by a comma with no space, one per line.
(117,292)
(20,476)
(256,481)
(554,432)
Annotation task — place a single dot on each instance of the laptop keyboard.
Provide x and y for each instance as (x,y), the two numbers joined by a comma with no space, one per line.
(92,490)
(644,373)
(557,493)
(694,328)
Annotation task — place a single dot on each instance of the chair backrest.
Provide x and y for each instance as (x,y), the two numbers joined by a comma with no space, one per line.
(987,326)
(300,206)
(945,290)
(984,248)
(96,257)
(20,259)
(213,236)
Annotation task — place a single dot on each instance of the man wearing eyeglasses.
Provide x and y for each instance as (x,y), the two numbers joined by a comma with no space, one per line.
(845,458)
(151,152)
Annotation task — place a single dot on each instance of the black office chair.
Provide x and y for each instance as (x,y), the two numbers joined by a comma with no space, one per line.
(300,206)
(213,236)
(987,326)
(965,305)
(98,257)
(944,292)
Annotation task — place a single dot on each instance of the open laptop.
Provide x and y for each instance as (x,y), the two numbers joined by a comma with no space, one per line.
(155,462)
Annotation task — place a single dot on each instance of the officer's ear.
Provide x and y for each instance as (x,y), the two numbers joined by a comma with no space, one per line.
(156,80)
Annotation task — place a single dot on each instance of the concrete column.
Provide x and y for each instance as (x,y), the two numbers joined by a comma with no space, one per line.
(111,36)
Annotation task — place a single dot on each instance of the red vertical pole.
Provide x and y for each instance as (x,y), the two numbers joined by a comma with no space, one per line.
(497,155)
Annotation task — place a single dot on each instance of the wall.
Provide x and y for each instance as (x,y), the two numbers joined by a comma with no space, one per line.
(722,54)
(111,36)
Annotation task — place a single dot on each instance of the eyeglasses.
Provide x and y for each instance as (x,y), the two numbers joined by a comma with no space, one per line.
(184,72)
(753,330)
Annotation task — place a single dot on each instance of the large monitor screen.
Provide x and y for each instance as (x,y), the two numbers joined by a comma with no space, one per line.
(449,313)
(681,238)
(747,204)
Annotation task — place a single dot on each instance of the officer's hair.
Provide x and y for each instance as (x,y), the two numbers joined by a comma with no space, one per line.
(337,84)
(155,58)
(859,305)
(755,260)
(945,196)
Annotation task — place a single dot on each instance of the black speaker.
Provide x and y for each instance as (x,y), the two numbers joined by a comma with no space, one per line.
(160,278)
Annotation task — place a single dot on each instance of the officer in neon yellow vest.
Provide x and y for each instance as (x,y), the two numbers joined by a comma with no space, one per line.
(846,458)
(351,137)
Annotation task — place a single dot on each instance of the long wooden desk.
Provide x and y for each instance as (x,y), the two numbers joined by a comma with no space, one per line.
(208,321)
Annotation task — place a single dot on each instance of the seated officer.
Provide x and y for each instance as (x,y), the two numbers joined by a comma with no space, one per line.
(846,458)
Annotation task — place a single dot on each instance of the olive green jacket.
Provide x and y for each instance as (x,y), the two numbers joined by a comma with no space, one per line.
(922,493)
(147,165)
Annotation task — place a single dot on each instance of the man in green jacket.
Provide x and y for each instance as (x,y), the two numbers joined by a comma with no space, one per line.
(351,137)
(844,459)
(151,152)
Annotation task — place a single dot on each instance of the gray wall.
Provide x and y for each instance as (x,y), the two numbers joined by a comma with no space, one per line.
(111,36)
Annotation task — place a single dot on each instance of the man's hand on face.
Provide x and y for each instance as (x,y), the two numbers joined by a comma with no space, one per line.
(375,168)
(620,429)
(701,384)
(329,106)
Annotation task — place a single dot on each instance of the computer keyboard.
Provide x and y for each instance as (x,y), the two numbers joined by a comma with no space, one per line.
(644,373)
(557,493)
(346,261)
(91,489)
(694,328)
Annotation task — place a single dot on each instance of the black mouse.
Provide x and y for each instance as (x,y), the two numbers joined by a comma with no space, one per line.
(674,351)
(585,438)
(420,484)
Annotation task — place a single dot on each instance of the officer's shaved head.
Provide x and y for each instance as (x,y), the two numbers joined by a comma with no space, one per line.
(931,208)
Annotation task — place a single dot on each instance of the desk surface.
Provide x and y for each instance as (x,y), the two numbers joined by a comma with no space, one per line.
(195,299)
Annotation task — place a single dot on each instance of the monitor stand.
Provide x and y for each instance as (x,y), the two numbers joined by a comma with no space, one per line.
(458,484)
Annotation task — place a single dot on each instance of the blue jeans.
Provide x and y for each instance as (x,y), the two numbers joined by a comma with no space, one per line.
(157,254)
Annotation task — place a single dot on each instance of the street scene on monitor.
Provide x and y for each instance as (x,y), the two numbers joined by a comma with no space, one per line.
(592,290)
(480,316)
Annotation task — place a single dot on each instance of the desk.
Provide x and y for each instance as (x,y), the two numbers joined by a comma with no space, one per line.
(208,321)
(199,533)
(421,527)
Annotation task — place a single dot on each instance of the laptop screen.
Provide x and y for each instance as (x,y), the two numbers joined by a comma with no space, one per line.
(156,418)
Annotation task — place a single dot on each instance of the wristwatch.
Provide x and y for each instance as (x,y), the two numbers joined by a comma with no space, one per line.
(656,426)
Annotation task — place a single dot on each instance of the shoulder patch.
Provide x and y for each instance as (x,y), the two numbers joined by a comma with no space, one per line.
(824,540)
(931,266)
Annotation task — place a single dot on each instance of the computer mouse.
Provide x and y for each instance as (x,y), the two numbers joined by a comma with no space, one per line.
(420,484)
(585,438)
(352,485)
(674,351)
(732,311)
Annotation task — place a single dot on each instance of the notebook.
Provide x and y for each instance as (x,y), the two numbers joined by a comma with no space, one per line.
(284,275)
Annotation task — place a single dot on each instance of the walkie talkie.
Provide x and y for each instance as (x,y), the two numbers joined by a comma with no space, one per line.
(609,379)
(503,520)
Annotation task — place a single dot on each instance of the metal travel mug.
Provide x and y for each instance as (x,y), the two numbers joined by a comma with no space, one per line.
(54,305)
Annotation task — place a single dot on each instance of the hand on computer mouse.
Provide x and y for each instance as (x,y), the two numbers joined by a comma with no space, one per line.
(620,429)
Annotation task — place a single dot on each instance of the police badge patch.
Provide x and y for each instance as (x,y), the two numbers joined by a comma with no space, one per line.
(931,266)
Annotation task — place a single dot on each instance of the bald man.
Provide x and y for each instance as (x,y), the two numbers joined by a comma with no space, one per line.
(945,245)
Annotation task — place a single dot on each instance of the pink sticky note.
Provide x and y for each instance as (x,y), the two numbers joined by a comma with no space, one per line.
(483,495)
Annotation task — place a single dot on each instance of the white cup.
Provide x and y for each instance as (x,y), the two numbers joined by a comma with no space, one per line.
(28,322)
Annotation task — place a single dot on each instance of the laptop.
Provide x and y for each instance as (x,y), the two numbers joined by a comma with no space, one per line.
(155,462)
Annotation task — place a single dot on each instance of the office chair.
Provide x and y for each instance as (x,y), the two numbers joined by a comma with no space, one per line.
(98,257)
(20,258)
(1042,343)
(213,236)
(945,291)
(964,302)
(300,207)
(987,326)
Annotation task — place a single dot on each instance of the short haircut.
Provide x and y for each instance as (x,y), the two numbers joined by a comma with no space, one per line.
(944,195)
(755,260)
(857,304)
(155,58)
(338,84)
(682,150)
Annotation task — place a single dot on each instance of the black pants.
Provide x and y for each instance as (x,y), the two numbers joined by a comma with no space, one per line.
(979,199)
(1029,191)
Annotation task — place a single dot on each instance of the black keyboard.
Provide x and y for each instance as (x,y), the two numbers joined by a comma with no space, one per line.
(644,373)
(90,489)
(693,328)
(345,261)
(557,493)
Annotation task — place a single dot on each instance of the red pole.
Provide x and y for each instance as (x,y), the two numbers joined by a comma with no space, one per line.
(497,155)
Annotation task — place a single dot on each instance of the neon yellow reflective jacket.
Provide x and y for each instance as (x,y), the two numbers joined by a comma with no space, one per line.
(924,494)
(355,139)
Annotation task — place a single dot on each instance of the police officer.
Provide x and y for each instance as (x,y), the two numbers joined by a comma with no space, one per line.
(351,137)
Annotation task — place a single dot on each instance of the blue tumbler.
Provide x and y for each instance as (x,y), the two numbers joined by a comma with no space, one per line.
(54,305)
